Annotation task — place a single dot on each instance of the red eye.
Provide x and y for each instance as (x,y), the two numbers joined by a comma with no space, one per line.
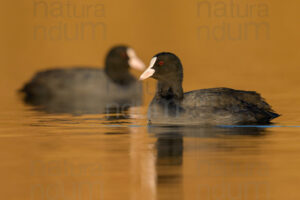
(123,54)
(160,63)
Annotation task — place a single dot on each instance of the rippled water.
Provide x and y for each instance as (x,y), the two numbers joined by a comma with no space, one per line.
(61,156)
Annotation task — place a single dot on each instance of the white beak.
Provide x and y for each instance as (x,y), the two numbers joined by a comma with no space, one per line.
(134,62)
(149,71)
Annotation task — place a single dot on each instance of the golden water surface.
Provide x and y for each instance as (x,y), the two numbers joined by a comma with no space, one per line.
(242,44)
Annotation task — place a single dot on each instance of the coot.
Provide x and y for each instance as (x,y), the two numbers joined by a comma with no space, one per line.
(214,106)
(88,89)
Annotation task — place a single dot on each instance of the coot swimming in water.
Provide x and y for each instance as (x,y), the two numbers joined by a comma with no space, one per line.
(215,106)
(86,88)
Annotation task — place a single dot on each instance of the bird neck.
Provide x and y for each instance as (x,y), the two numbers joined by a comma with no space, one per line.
(170,90)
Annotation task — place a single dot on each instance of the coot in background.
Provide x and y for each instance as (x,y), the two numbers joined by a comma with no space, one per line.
(215,106)
(88,90)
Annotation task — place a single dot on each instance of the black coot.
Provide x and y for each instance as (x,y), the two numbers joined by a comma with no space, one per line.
(215,106)
(88,90)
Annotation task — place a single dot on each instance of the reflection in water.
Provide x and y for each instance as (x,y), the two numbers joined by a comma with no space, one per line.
(117,119)
(169,165)
(202,132)
(169,149)
(170,171)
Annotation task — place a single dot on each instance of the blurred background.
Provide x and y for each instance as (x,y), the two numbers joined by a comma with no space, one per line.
(242,44)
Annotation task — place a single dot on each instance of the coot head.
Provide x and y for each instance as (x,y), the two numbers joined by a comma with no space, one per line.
(118,62)
(164,67)
(123,57)
(167,69)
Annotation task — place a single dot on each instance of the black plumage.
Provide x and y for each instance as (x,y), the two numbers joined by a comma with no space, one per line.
(214,106)
(86,88)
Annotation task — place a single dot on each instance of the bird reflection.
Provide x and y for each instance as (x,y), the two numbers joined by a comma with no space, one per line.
(169,149)
(170,146)
(205,132)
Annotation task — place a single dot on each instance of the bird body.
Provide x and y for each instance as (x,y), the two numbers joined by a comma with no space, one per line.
(86,89)
(213,106)
(79,82)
